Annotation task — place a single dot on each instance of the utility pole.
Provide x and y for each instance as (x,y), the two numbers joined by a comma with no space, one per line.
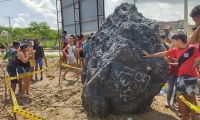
(186,17)
(9,33)
(9,21)
(134,2)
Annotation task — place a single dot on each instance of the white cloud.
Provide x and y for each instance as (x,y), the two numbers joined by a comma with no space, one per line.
(168,10)
(23,15)
(43,7)
(16,25)
(20,20)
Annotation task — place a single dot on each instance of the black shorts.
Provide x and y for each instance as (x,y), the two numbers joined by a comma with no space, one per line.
(12,73)
(188,85)
(21,70)
(81,54)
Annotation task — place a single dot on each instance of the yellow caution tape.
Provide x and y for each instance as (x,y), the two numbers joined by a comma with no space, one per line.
(32,73)
(13,98)
(16,109)
(165,86)
(35,72)
(26,114)
(70,66)
(189,104)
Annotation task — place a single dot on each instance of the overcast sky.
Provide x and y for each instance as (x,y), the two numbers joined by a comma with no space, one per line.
(25,11)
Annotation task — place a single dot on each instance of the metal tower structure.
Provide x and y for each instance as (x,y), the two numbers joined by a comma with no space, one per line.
(82,16)
(100,12)
(60,29)
(77,16)
(59,21)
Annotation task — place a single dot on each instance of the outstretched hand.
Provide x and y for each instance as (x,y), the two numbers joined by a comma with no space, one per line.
(146,54)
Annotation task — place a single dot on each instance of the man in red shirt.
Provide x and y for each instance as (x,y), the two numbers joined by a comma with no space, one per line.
(187,56)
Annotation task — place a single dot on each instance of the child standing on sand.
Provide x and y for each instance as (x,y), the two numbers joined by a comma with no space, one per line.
(71,55)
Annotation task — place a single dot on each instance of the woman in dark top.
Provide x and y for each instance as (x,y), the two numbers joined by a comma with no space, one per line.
(23,66)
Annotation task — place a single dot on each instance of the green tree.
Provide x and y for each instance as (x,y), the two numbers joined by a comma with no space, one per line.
(4,34)
(35,30)
(18,34)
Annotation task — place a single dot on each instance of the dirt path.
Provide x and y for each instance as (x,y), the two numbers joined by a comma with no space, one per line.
(64,103)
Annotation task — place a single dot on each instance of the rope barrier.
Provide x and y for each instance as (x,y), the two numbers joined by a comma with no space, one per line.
(15,106)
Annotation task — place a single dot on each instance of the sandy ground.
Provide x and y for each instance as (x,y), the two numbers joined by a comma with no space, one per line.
(64,103)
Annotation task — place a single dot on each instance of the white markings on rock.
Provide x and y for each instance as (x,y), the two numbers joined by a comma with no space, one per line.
(132,82)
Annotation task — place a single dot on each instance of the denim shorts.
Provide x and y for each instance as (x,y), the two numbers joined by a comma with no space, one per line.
(188,85)
(38,61)
(12,73)
(71,60)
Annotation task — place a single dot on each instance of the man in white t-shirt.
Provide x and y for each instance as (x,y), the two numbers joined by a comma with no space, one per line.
(70,48)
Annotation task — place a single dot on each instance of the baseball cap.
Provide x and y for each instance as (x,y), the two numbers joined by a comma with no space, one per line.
(167,27)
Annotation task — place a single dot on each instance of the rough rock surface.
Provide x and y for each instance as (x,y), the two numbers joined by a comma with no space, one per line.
(117,79)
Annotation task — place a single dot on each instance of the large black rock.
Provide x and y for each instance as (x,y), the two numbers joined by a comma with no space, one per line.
(117,79)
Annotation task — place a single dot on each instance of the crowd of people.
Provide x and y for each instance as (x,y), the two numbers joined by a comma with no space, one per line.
(28,56)
(183,57)
(24,58)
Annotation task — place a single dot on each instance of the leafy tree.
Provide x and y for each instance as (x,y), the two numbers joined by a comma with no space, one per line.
(35,30)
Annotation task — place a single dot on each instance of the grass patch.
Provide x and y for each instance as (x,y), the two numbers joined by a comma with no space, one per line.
(49,43)
(52,56)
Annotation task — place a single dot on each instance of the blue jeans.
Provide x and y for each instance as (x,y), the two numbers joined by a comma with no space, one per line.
(171,83)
